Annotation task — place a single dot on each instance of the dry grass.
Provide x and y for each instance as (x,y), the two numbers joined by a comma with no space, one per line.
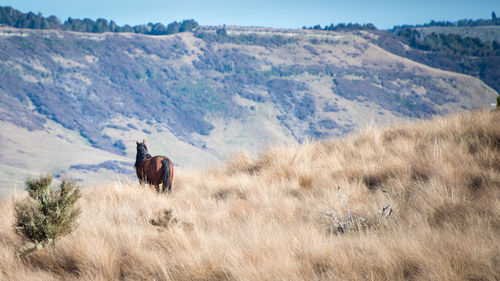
(261,219)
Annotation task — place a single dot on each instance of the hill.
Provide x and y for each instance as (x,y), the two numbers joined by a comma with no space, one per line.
(469,47)
(276,216)
(484,33)
(201,97)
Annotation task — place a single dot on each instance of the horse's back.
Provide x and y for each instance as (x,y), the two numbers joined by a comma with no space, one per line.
(154,170)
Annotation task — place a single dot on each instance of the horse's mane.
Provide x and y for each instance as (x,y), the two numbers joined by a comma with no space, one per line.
(141,155)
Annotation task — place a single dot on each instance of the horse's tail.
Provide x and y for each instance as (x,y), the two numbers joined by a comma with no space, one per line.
(167,174)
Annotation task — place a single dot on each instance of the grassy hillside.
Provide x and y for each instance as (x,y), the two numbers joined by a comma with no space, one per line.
(473,50)
(199,97)
(270,217)
(485,33)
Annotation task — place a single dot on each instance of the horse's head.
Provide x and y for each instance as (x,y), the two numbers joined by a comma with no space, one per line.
(142,152)
(141,146)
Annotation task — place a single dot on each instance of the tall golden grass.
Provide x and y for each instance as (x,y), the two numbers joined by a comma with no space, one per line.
(263,218)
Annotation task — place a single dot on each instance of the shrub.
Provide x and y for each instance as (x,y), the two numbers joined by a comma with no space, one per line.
(47,214)
(165,219)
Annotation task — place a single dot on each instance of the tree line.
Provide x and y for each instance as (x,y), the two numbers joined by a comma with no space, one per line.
(14,18)
(343,27)
(452,44)
(463,22)
(369,26)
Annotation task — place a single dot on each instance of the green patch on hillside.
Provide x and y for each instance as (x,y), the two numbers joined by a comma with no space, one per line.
(200,95)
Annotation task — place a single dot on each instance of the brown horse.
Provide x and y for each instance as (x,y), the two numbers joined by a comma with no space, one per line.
(153,170)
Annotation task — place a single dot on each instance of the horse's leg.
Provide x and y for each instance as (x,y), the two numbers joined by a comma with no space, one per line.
(157,187)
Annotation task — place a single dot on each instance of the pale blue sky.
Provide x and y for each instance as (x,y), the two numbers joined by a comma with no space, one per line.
(269,13)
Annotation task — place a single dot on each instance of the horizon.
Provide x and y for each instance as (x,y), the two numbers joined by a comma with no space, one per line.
(274,14)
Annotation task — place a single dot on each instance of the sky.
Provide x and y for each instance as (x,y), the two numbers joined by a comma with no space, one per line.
(383,14)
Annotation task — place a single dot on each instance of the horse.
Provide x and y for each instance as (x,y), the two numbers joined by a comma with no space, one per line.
(153,170)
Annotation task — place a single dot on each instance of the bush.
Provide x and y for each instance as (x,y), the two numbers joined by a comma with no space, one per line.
(165,219)
(47,214)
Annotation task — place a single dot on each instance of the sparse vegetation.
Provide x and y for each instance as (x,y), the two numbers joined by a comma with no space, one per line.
(260,218)
(352,224)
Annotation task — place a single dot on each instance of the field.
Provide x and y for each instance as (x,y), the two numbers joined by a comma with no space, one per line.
(415,201)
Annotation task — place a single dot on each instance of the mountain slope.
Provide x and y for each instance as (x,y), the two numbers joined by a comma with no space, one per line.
(200,97)
(276,216)
(485,33)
